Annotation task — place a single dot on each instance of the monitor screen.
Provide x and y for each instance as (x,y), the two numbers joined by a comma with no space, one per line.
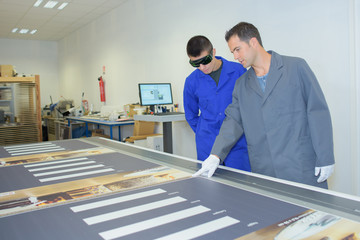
(155,94)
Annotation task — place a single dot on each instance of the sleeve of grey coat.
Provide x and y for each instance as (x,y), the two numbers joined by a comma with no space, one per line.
(231,129)
(319,118)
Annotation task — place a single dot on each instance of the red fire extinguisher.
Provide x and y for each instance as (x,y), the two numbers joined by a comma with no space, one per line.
(102,89)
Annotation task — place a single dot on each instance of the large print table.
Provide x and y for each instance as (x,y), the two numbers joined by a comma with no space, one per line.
(99,122)
(96,188)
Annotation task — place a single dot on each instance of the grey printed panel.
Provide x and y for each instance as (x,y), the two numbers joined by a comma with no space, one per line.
(193,208)
(43,147)
(64,170)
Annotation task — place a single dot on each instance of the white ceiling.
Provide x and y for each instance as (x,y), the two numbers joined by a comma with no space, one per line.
(51,24)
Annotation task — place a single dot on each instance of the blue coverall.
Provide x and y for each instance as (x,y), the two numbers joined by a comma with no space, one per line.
(205,104)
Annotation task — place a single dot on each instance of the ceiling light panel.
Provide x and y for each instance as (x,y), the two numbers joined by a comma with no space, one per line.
(61,7)
(50,4)
(23,31)
(37,3)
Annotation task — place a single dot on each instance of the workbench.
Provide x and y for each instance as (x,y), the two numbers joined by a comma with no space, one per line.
(100,122)
(97,188)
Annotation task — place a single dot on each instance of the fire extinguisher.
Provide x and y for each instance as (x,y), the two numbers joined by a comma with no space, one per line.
(102,89)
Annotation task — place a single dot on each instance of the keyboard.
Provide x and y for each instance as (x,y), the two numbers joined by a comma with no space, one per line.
(168,113)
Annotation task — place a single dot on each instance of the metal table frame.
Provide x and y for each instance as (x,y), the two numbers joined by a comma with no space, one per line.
(99,122)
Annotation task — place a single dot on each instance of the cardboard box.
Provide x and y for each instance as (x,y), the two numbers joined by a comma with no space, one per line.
(129,109)
(132,107)
(143,128)
(155,142)
(132,139)
(6,71)
(99,133)
(141,143)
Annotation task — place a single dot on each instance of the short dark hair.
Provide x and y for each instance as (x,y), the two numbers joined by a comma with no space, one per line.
(245,31)
(197,44)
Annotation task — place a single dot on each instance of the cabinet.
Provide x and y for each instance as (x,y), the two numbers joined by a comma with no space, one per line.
(7,103)
(23,107)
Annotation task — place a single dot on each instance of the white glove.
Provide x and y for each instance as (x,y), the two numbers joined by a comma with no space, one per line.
(325,172)
(208,166)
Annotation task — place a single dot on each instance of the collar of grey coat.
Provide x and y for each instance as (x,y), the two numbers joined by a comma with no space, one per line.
(274,75)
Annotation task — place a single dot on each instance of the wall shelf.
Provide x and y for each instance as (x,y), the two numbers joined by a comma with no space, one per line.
(25,124)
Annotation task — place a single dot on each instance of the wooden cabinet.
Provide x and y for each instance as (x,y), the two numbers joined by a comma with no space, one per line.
(25,124)
(7,103)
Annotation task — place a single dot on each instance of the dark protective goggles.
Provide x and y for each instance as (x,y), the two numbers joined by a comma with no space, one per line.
(204,61)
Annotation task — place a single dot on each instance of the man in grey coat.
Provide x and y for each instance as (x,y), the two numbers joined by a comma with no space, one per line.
(279,106)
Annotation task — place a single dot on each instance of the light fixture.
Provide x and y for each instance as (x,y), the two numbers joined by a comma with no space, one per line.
(37,3)
(23,31)
(61,7)
(50,4)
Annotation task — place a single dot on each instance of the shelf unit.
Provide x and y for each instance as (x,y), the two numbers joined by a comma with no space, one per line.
(7,102)
(25,127)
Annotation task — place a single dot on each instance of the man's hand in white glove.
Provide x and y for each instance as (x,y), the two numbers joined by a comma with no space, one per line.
(208,166)
(325,172)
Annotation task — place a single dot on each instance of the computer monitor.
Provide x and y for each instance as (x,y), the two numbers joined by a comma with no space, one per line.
(155,94)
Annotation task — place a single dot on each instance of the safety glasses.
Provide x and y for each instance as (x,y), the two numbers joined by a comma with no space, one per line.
(204,61)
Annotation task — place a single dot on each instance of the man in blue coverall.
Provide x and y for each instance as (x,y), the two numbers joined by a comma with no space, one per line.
(207,93)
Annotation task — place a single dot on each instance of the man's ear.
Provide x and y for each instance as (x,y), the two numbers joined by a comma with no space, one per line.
(214,52)
(253,42)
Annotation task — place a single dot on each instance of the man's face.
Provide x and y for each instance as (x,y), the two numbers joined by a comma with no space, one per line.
(205,68)
(243,52)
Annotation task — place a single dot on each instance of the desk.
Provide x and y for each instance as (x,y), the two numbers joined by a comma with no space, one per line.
(99,122)
(167,126)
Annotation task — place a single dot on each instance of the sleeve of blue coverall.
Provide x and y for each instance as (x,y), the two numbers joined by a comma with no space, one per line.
(191,106)
(319,118)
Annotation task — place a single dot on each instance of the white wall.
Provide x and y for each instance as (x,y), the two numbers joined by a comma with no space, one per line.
(144,41)
(354,23)
(34,57)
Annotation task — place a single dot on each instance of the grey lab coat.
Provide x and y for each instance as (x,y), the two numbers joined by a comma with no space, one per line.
(288,127)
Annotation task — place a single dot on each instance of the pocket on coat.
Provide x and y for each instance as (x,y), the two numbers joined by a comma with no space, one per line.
(203,103)
(206,109)
(307,153)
